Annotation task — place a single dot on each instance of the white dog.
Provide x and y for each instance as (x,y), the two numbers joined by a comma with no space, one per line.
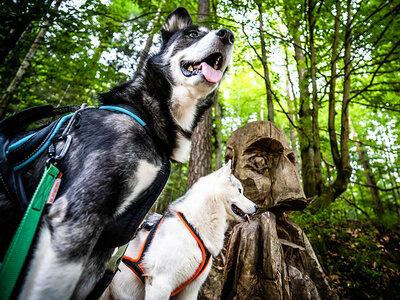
(178,254)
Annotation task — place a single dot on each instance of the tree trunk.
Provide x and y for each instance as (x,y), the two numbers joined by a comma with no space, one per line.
(149,40)
(19,23)
(395,193)
(315,105)
(369,176)
(305,132)
(291,107)
(9,52)
(345,172)
(5,100)
(332,87)
(270,103)
(217,133)
(203,10)
(342,159)
(201,153)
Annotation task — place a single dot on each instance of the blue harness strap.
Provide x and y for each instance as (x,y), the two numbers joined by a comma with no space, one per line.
(27,149)
(125,111)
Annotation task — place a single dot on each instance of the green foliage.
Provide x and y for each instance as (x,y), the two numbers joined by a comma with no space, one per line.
(360,260)
(175,187)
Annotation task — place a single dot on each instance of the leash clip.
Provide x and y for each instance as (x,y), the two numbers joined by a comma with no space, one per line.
(52,150)
(73,123)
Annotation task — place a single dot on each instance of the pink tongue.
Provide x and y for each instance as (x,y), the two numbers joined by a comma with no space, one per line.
(248,219)
(210,73)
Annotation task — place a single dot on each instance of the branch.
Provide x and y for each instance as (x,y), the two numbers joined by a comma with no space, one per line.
(376,22)
(383,148)
(288,116)
(251,45)
(276,99)
(377,187)
(289,78)
(375,106)
(252,67)
(376,71)
(327,162)
(356,206)
(115,17)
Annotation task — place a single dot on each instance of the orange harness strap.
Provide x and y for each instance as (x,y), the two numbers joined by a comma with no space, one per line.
(135,264)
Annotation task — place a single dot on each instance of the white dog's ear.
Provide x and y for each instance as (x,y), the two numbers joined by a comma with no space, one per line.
(227,168)
(178,19)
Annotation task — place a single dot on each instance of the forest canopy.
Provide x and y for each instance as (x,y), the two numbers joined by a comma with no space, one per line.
(326,72)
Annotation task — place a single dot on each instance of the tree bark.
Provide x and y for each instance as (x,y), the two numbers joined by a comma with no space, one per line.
(369,176)
(305,131)
(342,159)
(344,132)
(5,100)
(217,133)
(19,23)
(291,107)
(203,10)
(315,104)
(201,153)
(149,40)
(267,81)
(332,87)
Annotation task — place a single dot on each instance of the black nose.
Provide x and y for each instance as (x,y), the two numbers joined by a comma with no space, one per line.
(226,36)
(256,207)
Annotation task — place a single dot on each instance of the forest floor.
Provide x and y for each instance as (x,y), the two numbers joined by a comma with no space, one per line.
(361,260)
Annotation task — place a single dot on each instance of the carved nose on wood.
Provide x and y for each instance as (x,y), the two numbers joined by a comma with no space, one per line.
(288,193)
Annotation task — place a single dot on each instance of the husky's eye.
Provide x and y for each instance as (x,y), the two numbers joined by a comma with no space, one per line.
(193,34)
(240,190)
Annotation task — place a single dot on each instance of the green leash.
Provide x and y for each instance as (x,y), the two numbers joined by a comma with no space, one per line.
(22,240)
(114,261)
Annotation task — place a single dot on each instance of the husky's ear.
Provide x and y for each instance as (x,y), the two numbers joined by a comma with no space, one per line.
(176,20)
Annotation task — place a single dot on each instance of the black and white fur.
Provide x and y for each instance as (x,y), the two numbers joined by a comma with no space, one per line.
(174,256)
(112,160)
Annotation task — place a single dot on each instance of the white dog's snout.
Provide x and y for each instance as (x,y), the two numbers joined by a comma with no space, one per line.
(248,206)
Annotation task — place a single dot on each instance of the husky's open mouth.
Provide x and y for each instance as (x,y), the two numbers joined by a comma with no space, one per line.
(210,67)
(240,213)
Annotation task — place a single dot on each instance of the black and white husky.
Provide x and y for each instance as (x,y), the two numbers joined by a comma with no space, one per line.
(112,159)
(174,256)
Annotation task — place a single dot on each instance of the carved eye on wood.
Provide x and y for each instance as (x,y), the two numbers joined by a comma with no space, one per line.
(291,157)
(259,163)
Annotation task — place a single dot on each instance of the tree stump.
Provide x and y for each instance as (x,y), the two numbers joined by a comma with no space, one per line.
(271,258)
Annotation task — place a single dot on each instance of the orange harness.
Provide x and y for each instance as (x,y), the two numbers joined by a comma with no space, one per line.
(136,264)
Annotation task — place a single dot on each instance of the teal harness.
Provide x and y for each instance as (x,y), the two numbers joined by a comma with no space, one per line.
(20,154)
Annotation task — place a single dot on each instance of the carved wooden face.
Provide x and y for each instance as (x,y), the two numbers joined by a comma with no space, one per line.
(262,161)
